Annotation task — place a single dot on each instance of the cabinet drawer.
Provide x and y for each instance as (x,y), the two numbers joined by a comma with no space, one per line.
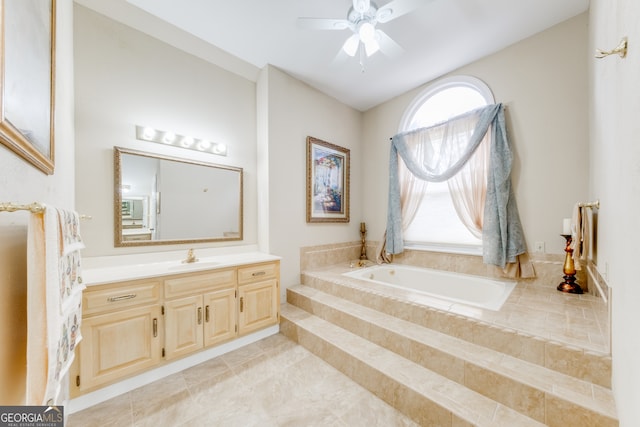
(188,285)
(114,297)
(258,272)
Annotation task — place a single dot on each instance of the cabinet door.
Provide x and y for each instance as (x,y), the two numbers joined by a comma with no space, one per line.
(258,305)
(118,344)
(183,326)
(219,316)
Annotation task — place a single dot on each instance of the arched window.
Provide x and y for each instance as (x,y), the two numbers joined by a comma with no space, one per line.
(436,224)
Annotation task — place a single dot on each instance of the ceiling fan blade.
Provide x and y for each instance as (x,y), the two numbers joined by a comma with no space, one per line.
(387,46)
(397,8)
(323,23)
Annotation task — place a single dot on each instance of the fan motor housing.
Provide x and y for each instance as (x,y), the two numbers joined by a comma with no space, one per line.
(356,17)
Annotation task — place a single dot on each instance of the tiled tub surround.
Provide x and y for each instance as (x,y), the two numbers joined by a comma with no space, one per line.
(544,355)
(535,307)
(533,323)
(548,267)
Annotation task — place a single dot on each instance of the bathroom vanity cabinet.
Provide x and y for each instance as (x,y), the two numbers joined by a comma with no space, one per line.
(129,327)
(200,310)
(121,330)
(258,297)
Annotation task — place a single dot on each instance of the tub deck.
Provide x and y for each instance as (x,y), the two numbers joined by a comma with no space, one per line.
(575,320)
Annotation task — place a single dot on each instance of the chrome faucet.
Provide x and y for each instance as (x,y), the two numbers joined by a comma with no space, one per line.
(191,257)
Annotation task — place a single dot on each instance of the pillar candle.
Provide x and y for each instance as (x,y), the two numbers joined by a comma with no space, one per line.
(566,226)
(362,227)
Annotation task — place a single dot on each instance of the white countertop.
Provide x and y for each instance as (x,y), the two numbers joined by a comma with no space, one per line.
(100,272)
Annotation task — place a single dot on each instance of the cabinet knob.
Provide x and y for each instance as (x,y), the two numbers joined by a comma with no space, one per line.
(241,304)
(206,314)
(155,327)
(199,315)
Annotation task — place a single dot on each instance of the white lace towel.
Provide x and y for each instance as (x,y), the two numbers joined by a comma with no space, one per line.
(55,302)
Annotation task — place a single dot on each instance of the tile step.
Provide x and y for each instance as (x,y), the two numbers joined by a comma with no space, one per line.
(423,395)
(577,362)
(533,390)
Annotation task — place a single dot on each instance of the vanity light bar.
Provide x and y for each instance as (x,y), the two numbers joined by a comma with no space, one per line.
(144,133)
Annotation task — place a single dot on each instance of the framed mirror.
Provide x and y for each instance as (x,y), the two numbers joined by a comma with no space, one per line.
(168,200)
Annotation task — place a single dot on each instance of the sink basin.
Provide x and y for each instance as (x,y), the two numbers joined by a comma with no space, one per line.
(194,265)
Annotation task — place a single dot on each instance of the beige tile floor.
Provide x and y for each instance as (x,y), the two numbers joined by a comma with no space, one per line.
(273,382)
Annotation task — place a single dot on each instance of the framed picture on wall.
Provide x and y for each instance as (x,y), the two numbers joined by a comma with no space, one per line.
(327,182)
(27,46)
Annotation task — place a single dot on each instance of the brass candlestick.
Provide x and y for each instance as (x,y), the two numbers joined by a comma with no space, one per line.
(363,248)
(569,285)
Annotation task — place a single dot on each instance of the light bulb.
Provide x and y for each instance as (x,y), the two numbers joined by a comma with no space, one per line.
(219,149)
(367,32)
(204,145)
(371,47)
(186,142)
(148,133)
(350,47)
(169,137)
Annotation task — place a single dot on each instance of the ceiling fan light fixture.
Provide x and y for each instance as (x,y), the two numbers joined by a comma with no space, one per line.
(350,47)
(367,32)
(371,47)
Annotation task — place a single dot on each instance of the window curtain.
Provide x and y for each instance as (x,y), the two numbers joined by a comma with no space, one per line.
(412,191)
(445,150)
(468,187)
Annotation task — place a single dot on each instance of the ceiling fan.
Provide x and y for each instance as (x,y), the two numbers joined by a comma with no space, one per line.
(362,18)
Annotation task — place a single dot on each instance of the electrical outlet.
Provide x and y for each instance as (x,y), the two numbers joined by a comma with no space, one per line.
(539,247)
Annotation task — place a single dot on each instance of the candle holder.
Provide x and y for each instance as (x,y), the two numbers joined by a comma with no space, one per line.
(569,285)
(363,248)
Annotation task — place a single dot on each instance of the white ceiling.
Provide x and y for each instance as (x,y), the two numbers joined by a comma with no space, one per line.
(438,37)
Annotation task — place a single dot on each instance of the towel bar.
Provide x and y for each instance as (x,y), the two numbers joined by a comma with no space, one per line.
(33,208)
(595,204)
(10,207)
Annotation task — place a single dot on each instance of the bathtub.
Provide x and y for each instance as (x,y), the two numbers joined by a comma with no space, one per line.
(457,288)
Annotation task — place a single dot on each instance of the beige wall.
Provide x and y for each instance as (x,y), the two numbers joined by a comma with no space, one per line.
(125,78)
(295,111)
(543,83)
(615,179)
(22,183)
(542,80)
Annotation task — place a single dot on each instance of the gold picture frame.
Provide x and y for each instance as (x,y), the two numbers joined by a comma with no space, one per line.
(27,68)
(327,181)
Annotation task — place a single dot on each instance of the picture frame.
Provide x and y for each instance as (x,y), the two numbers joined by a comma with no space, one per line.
(27,51)
(327,181)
